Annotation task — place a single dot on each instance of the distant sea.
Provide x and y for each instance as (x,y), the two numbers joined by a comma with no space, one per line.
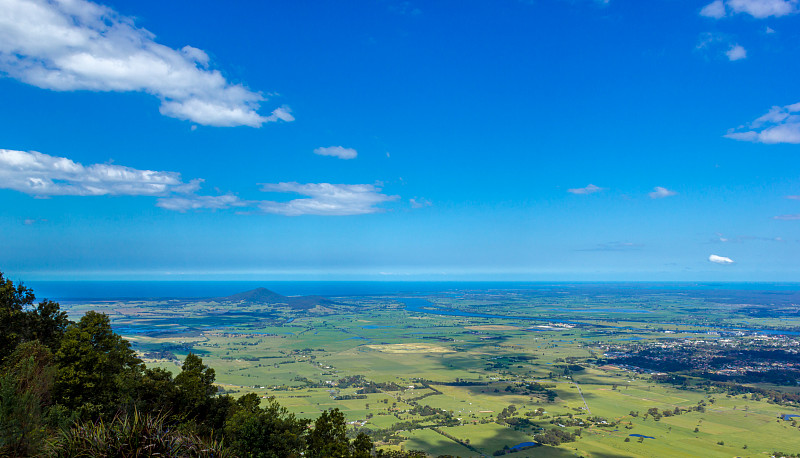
(74,291)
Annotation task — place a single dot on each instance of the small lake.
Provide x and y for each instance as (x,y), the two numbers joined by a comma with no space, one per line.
(639,435)
(524,444)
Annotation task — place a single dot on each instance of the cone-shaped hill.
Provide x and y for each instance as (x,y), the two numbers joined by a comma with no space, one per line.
(265,296)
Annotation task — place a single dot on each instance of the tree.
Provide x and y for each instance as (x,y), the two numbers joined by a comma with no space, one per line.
(13,301)
(196,398)
(361,447)
(47,324)
(157,392)
(269,432)
(21,321)
(98,370)
(329,439)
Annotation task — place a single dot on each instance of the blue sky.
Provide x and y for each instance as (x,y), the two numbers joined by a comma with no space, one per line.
(400,140)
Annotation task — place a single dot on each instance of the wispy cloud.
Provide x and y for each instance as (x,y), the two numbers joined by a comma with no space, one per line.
(419,202)
(195,202)
(68,45)
(660,192)
(778,125)
(746,238)
(403,7)
(715,9)
(589,189)
(40,174)
(720,259)
(759,9)
(720,45)
(337,151)
(326,199)
(787,217)
(736,52)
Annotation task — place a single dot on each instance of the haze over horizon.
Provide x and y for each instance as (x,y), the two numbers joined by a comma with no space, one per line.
(400,140)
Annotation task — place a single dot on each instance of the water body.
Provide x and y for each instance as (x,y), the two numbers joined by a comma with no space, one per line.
(118,290)
(74,291)
(639,435)
(524,444)
(751,293)
(600,310)
(420,305)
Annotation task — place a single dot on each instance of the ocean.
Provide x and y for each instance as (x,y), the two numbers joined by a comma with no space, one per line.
(74,291)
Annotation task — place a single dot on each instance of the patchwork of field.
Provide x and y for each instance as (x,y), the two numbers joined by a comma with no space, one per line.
(476,373)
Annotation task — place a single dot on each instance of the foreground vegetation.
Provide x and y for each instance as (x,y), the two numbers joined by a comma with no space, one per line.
(72,389)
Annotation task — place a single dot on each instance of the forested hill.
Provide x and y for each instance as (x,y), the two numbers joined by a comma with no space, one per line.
(78,389)
(265,296)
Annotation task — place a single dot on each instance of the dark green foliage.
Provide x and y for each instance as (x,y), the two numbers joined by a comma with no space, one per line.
(157,391)
(98,371)
(22,321)
(269,432)
(329,439)
(195,383)
(133,435)
(13,302)
(399,454)
(25,387)
(361,446)
(196,399)
(554,437)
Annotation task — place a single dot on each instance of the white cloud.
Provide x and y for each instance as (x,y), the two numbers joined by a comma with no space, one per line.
(763,8)
(757,8)
(195,202)
(736,52)
(715,9)
(778,125)
(326,199)
(660,192)
(793,197)
(589,189)
(282,113)
(719,45)
(40,174)
(787,217)
(720,259)
(68,45)
(337,151)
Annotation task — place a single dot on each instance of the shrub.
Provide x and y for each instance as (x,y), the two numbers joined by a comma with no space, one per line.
(133,435)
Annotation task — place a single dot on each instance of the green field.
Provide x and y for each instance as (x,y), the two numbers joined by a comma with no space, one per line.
(444,380)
